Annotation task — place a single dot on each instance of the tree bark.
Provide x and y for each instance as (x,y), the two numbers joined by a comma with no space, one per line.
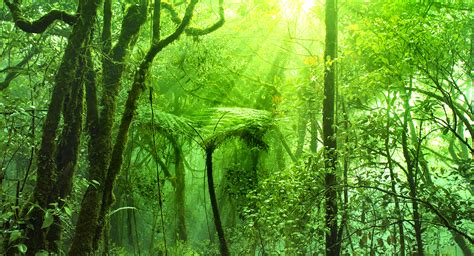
(68,148)
(47,166)
(100,129)
(329,139)
(131,105)
(180,186)
(215,210)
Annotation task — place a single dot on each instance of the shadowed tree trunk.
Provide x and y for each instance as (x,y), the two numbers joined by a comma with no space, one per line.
(58,153)
(68,86)
(180,198)
(100,128)
(92,205)
(68,149)
(212,195)
(329,140)
(180,186)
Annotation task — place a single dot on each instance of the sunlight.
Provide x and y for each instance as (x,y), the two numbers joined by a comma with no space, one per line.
(295,8)
(236,127)
(307,6)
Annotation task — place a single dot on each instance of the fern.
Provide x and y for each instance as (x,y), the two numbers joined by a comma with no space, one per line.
(214,126)
(169,124)
(221,124)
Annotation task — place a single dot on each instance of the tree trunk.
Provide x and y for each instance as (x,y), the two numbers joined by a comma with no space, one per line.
(68,149)
(47,166)
(138,86)
(100,128)
(301,129)
(329,139)
(180,173)
(215,210)
(396,200)
(346,166)
(412,180)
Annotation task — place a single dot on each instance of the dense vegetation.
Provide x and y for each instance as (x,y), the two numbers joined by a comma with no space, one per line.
(238,127)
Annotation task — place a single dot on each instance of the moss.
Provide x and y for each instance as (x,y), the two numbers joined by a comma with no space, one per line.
(84,236)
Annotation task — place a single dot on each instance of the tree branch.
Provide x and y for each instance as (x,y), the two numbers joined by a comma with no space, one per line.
(457,109)
(192,31)
(41,24)
(430,206)
(156,48)
(15,71)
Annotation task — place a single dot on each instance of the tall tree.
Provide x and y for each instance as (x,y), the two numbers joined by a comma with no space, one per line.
(67,88)
(59,149)
(329,138)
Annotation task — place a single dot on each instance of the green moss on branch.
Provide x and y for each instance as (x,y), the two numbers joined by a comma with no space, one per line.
(41,24)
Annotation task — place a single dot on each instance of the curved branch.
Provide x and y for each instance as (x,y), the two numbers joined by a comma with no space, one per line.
(157,47)
(192,31)
(41,24)
(174,14)
(203,31)
(456,107)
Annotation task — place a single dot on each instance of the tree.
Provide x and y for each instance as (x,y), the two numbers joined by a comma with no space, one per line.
(329,134)
(222,154)
(56,161)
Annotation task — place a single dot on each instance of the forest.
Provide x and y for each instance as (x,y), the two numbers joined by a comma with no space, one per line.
(236,127)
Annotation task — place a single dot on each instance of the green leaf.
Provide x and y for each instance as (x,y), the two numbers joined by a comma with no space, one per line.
(48,220)
(15,235)
(6,215)
(41,253)
(22,248)
(68,211)
(95,183)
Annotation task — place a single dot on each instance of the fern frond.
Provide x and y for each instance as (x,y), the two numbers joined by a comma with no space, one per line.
(215,125)
(169,124)
(221,124)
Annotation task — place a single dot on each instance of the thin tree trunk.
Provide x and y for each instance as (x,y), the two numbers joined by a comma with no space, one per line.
(215,210)
(346,163)
(332,248)
(314,128)
(302,123)
(466,250)
(398,212)
(411,178)
(181,233)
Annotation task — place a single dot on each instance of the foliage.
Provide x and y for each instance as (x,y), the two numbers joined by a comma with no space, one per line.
(252,91)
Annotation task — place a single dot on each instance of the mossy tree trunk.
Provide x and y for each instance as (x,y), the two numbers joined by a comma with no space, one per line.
(100,124)
(99,198)
(53,163)
(68,148)
(180,198)
(58,153)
